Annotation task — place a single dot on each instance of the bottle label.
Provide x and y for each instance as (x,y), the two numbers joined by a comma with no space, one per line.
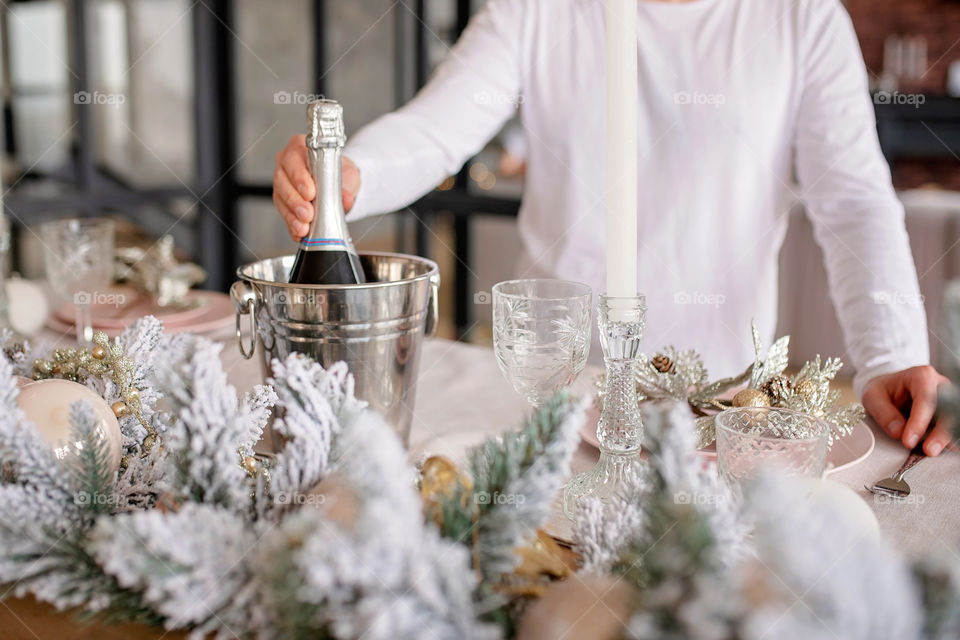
(323,244)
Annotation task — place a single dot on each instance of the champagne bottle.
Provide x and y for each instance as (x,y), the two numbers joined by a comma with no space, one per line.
(326,254)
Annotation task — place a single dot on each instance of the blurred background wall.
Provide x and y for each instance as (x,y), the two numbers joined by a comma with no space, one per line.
(168,114)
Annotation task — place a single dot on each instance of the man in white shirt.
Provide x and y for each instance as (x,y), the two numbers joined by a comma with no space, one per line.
(736,98)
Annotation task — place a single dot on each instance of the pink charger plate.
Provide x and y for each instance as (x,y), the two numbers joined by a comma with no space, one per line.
(845,452)
(214,312)
(136,304)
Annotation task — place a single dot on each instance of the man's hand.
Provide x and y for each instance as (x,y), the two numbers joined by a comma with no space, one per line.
(294,190)
(911,392)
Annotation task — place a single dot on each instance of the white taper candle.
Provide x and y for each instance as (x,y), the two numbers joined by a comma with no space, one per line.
(621,147)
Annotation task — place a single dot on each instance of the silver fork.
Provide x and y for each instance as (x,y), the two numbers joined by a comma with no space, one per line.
(895,485)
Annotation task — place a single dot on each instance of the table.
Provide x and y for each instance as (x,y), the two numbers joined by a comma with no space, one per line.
(462,398)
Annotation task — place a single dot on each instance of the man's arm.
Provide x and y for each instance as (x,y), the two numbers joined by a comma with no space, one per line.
(859,223)
(403,155)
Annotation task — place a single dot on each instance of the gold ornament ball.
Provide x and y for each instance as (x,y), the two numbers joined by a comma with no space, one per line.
(440,476)
(120,408)
(250,465)
(751,398)
(99,352)
(131,395)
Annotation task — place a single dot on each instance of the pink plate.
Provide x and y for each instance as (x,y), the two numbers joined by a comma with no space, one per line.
(845,452)
(215,312)
(108,314)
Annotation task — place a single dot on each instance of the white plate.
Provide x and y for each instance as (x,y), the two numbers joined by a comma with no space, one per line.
(845,452)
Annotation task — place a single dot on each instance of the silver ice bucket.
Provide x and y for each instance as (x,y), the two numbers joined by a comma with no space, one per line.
(376,328)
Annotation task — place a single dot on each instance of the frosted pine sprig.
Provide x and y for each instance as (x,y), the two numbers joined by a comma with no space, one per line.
(186,564)
(210,426)
(516,477)
(313,400)
(90,470)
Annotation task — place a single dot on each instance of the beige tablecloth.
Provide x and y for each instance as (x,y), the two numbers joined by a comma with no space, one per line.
(461,398)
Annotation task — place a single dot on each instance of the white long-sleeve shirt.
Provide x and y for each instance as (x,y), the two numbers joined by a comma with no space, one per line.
(738,98)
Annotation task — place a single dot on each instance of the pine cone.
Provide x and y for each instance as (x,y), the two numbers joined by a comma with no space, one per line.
(778,388)
(662,363)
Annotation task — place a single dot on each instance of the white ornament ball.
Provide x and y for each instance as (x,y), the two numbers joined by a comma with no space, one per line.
(28,308)
(841,500)
(46,403)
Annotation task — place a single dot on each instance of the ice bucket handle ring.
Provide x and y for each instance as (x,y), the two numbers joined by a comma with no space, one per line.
(245,303)
(433,311)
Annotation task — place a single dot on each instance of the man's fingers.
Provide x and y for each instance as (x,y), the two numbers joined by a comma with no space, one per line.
(923,393)
(295,227)
(293,161)
(351,183)
(283,188)
(877,402)
(938,439)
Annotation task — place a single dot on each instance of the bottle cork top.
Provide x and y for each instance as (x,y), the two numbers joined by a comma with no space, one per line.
(325,124)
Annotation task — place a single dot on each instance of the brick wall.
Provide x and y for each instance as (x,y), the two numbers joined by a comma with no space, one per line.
(910,173)
(936,20)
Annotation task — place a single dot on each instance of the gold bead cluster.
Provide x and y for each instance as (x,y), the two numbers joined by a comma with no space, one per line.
(106,360)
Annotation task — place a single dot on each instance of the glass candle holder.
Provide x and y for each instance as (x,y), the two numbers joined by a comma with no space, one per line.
(620,429)
(753,439)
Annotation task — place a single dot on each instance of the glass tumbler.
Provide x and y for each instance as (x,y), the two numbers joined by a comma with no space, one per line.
(753,439)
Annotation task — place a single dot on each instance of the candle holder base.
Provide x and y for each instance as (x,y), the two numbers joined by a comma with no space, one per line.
(602,481)
(620,429)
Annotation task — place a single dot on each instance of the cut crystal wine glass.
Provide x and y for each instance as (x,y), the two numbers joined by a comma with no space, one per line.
(78,254)
(541,334)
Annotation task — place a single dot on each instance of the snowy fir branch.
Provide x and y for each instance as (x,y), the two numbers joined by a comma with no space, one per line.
(329,539)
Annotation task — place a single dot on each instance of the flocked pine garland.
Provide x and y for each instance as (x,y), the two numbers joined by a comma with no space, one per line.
(192,536)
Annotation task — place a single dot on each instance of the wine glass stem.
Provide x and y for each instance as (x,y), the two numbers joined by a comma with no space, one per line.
(84,324)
